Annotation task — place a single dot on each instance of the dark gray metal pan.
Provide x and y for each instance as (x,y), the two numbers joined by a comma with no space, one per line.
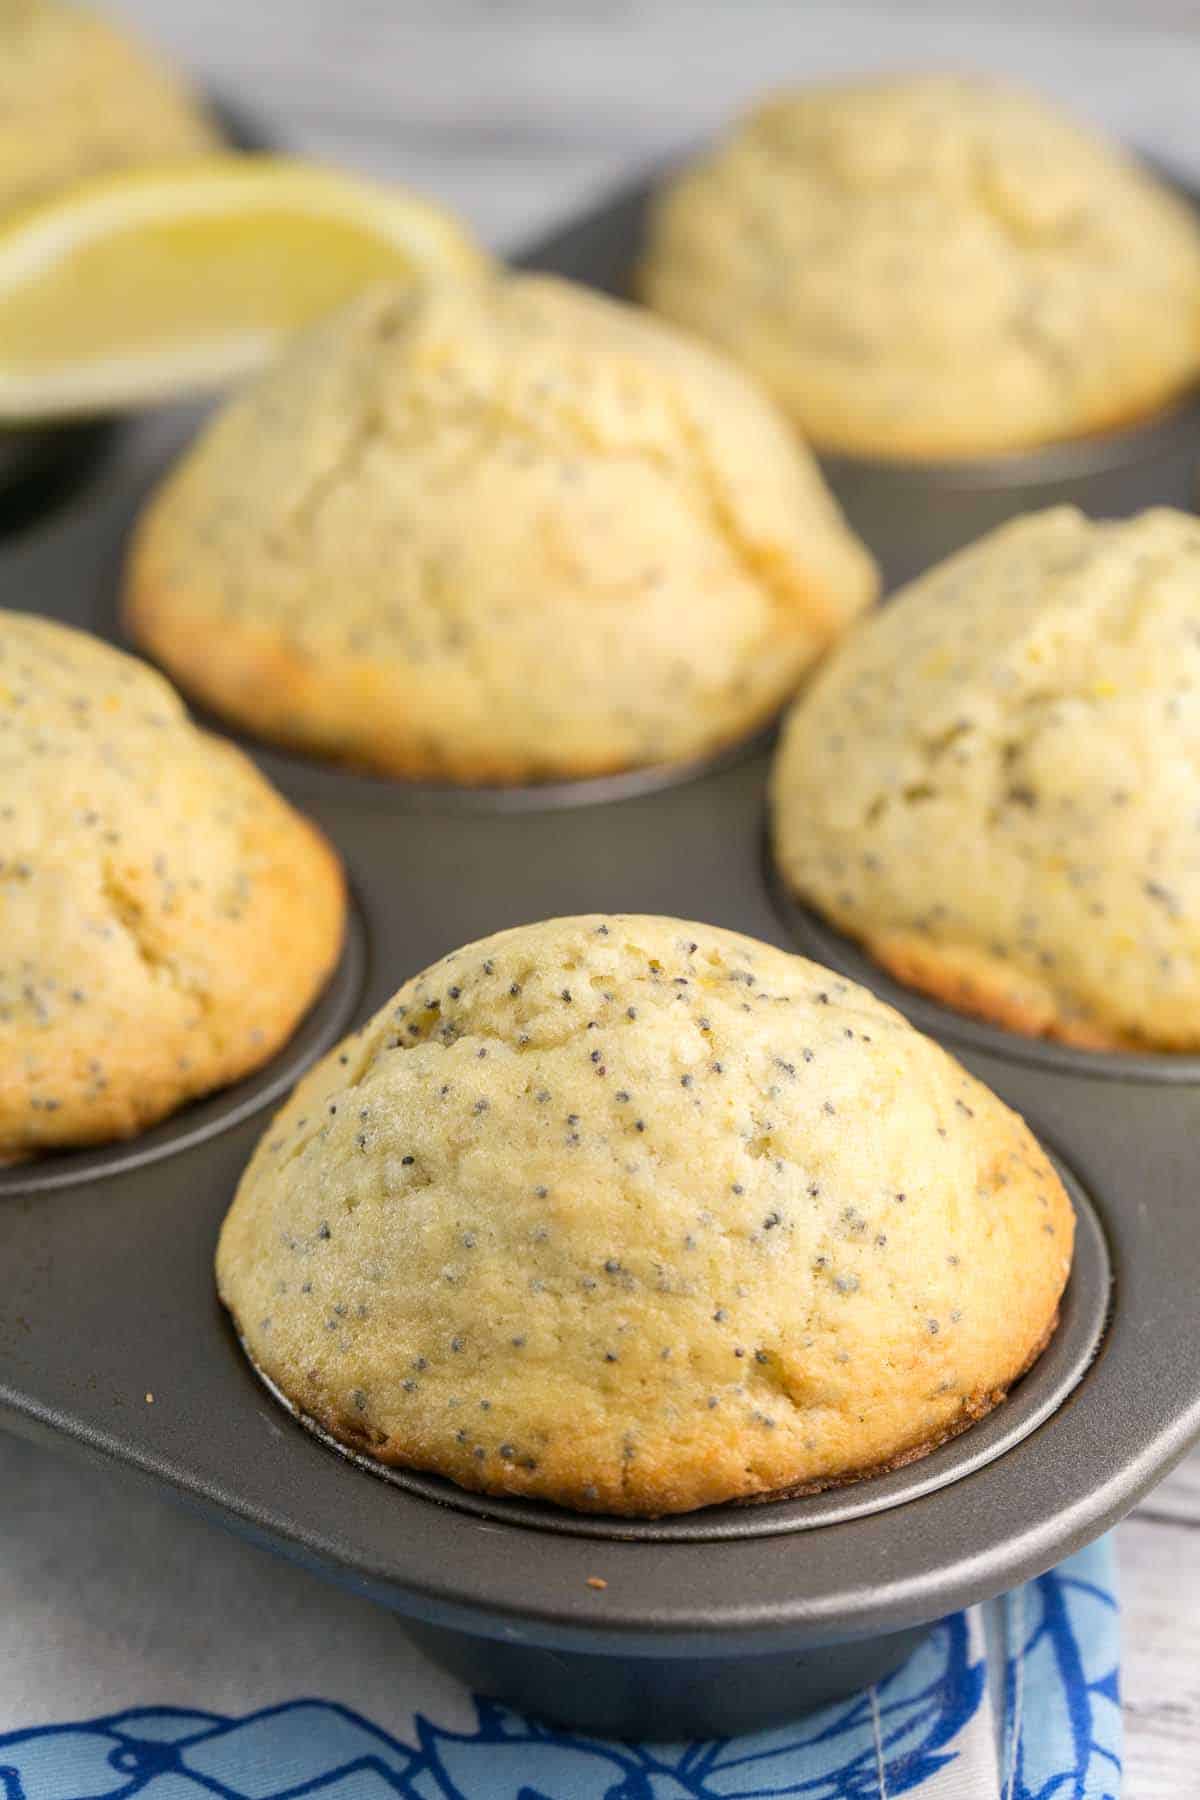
(708,1624)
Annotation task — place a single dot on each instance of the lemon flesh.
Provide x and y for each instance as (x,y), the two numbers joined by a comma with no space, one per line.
(149,284)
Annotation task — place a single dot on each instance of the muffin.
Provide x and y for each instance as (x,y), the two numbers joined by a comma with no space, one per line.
(165,918)
(636,1216)
(933,266)
(77,98)
(495,531)
(995,785)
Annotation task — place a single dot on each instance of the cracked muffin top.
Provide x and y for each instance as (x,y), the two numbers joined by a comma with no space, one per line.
(636,1216)
(933,266)
(165,917)
(78,98)
(995,785)
(495,531)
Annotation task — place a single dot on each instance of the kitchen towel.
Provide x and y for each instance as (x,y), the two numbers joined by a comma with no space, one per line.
(143,1652)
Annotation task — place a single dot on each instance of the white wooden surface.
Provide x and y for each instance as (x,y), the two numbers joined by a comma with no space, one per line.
(517,110)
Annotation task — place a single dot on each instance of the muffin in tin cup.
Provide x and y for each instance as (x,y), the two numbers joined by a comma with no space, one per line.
(994,787)
(945,284)
(637,1216)
(495,532)
(166,918)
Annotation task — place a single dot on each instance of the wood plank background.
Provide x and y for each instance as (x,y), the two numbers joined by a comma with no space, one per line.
(516,111)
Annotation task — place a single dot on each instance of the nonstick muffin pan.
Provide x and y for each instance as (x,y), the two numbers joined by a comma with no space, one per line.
(111,1338)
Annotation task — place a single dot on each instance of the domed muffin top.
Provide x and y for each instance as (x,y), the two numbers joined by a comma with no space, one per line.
(933,266)
(995,785)
(165,917)
(495,531)
(78,97)
(637,1215)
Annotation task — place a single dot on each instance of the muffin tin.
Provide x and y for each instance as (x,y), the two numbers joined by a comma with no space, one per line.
(111,1338)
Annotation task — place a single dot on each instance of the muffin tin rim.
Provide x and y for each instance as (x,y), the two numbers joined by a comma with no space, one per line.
(296,772)
(408,796)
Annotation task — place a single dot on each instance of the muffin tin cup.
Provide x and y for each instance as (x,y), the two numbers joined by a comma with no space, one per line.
(703,1625)
(915,512)
(665,1698)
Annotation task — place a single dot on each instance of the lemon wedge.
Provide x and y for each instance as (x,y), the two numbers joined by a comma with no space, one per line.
(154,283)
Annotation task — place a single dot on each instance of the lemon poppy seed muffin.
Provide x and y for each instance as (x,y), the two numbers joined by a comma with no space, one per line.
(995,785)
(165,917)
(78,97)
(933,266)
(495,531)
(637,1215)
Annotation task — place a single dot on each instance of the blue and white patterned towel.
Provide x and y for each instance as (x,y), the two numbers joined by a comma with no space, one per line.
(143,1654)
